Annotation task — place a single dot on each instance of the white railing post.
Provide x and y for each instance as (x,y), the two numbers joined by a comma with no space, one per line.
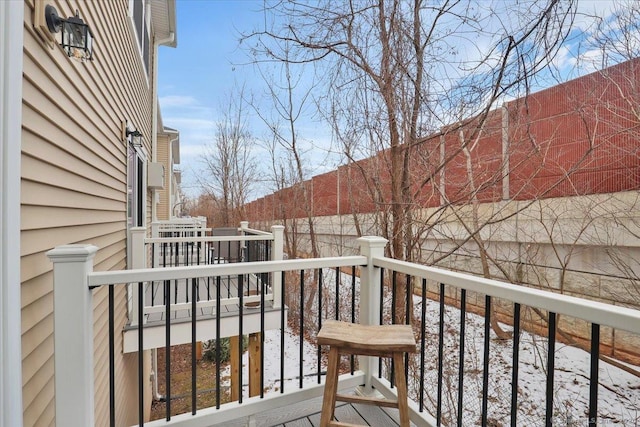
(73,334)
(201,226)
(203,221)
(370,246)
(138,260)
(244,226)
(277,254)
(155,232)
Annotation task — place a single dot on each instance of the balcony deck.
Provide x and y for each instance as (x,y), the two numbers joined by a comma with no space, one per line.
(307,414)
(459,360)
(181,297)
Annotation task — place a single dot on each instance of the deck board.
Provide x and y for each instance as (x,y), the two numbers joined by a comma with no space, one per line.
(307,414)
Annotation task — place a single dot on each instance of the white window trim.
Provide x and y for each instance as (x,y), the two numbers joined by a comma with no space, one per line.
(11,41)
(142,154)
(146,11)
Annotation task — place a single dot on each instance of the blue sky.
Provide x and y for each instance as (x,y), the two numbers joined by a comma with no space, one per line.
(195,77)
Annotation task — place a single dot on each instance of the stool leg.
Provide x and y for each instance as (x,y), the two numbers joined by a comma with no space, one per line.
(401,385)
(330,388)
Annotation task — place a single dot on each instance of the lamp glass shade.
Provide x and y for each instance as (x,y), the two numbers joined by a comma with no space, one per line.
(77,39)
(136,139)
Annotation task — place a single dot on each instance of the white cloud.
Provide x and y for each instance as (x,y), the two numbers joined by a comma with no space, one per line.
(173,101)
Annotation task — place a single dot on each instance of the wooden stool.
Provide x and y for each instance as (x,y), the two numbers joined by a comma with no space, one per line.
(380,341)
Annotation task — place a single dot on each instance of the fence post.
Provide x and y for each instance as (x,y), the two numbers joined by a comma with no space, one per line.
(277,254)
(73,334)
(138,260)
(370,286)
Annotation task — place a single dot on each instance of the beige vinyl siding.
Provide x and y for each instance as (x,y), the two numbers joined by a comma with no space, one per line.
(73,190)
(164,208)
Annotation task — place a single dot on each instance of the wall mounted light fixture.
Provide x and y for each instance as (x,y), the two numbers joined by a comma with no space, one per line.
(136,137)
(77,37)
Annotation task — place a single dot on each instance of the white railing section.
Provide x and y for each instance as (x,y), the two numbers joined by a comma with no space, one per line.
(193,224)
(192,231)
(74,279)
(592,311)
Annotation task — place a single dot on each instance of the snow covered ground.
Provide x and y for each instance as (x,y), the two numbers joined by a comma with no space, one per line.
(619,391)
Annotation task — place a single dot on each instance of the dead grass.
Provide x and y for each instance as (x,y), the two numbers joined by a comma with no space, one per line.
(181,383)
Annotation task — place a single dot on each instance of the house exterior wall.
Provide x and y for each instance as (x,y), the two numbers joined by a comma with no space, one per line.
(163,207)
(74,188)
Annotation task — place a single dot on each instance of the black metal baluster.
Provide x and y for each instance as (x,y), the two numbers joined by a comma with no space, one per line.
(407,317)
(167,347)
(282,331)
(394,290)
(112,360)
(353,310)
(463,313)
(301,352)
(140,356)
(218,340)
(262,325)
(320,316)
(551,351)
(516,362)
(423,337)
(485,372)
(338,293)
(593,378)
(194,377)
(440,357)
(381,315)
(240,332)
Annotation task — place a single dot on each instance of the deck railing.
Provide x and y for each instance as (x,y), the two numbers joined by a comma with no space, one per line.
(189,243)
(452,376)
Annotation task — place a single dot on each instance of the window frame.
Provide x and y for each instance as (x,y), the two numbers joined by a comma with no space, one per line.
(140,23)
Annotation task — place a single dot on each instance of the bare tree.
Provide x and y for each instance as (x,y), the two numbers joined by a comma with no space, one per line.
(406,60)
(288,96)
(229,166)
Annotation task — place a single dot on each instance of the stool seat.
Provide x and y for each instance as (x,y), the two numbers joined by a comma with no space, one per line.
(368,340)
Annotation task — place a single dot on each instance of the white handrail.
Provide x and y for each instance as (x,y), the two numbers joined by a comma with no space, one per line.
(101,278)
(206,239)
(592,311)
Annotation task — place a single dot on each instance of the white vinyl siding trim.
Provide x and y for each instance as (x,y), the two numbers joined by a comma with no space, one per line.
(11,36)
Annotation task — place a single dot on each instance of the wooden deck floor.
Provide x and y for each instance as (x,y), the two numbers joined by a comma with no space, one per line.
(307,414)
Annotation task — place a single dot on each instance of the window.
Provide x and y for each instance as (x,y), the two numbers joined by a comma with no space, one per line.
(141,25)
(135,188)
